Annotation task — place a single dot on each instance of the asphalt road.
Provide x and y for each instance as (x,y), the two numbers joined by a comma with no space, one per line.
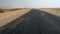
(33,22)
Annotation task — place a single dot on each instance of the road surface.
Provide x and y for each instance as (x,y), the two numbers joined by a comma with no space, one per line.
(33,22)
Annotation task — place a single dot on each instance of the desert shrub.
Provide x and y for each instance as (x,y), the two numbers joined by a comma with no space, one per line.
(1,11)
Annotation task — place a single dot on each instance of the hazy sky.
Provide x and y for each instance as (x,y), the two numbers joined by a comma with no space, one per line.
(29,3)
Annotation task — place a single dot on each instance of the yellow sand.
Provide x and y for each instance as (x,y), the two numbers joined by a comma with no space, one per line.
(55,11)
(11,15)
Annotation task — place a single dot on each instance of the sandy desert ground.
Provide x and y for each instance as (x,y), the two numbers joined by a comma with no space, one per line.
(8,16)
(55,11)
